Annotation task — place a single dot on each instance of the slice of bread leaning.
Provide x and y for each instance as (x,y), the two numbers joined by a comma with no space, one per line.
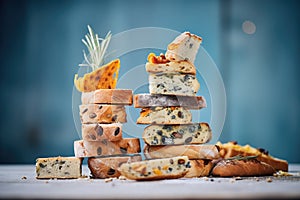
(231,149)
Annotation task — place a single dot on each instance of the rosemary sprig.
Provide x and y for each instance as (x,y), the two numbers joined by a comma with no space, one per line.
(97,48)
(239,157)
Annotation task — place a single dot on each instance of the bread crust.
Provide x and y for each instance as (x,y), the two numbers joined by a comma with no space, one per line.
(231,149)
(157,100)
(251,167)
(109,167)
(191,151)
(107,96)
(106,148)
(199,168)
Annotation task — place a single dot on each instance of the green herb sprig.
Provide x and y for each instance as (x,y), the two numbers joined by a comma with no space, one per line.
(239,157)
(96,47)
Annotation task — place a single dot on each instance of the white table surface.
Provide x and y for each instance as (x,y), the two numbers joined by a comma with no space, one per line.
(14,185)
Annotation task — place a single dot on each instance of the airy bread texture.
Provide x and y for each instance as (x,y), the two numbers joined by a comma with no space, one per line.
(184,47)
(94,113)
(107,96)
(106,148)
(231,149)
(198,133)
(58,167)
(194,152)
(109,167)
(168,168)
(173,84)
(99,132)
(104,77)
(165,115)
(157,100)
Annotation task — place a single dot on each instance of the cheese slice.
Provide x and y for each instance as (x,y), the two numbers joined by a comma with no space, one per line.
(104,77)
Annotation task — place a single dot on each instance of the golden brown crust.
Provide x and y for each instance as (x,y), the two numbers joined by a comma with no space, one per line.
(251,167)
(231,149)
(108,167)
(107,96)
(169,176)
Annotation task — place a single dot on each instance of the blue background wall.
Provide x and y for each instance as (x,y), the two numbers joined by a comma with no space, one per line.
(40,50)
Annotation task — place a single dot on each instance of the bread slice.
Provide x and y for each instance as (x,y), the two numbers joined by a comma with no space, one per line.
(248,167)
(157,100)
(99,132)
(167,168)
(173,84)
(105,77)
(231,149)
(165,115)
(199,168)
(109,167)
(58,167)
(194,152)
(184,47)
(107,96)
(106,148)
(182,66)
(198,133)
(94,113)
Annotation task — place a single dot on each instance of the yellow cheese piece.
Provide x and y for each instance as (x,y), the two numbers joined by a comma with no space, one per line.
(104,77)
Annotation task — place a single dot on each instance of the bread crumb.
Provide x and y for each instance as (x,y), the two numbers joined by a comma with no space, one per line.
(205,178)
(108,180)
(24,178)
(269,180)
(122,178)
(257,179)
(282,173)
(46,182)
(238,178)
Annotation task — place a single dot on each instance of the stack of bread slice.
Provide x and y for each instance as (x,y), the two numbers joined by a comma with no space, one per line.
(173,86)
(102,113)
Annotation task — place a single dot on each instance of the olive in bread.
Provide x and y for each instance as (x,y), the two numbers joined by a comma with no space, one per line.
(198,133)
(175,167)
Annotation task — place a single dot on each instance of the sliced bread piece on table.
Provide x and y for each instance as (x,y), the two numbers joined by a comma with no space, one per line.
(245,167)
(199,168)
(167,168)
(231,149)
(109,167)
(165,115)
(95,113)
(194,152)
(58,167)
(184,47)
(107,96)
(155,65)
(98,132)
(197,133)
(106,148)
(158,100)
(173,84)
